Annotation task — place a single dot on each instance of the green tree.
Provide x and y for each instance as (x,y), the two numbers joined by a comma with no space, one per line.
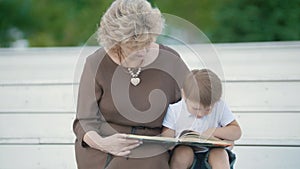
(257,20)
(199,13)
(65,23)
(50,22)
(72,22)
(15,20)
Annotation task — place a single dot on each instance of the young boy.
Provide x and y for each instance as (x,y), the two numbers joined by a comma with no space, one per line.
(201,110)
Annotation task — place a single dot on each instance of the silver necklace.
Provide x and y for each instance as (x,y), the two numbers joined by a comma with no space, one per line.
(135,80)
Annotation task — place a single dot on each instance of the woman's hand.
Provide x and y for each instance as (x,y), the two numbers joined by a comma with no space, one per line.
(116,144)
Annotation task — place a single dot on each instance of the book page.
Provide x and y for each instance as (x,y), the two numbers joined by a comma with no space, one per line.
(196,138)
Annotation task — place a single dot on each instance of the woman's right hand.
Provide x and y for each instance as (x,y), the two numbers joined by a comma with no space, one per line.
(119,145)
(116,144)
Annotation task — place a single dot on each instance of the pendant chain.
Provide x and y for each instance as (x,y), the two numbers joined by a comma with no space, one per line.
(132,74)
(135,80)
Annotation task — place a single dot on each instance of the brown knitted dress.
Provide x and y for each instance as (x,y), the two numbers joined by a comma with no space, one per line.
(108,103)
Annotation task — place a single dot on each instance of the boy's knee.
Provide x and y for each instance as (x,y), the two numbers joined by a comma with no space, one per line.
(184,149)
(218,153)
(218,158)
(183,156)
(184,152)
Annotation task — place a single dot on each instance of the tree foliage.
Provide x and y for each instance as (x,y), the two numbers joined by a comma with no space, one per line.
(51,22)
(72,22)
(257,20)
(14,19)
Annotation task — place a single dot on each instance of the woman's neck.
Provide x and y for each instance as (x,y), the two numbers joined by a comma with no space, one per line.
(150,56)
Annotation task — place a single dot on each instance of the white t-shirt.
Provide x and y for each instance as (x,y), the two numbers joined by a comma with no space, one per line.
(179,119)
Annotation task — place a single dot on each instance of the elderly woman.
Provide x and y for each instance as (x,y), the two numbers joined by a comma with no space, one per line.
(126,87)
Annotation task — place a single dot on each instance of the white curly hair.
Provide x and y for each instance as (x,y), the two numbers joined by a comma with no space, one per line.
(133,23)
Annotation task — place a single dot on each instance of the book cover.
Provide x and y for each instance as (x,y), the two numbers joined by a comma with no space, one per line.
(190,138)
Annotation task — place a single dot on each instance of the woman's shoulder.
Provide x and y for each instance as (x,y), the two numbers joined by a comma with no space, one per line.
(168,49)
(96,56)
(94,59)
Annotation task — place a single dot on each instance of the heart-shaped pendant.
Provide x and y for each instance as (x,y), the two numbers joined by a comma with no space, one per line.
(135,81)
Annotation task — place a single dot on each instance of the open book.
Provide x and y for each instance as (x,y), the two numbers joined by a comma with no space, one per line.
(190,138)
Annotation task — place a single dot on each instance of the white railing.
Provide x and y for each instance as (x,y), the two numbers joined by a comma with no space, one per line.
(37,89)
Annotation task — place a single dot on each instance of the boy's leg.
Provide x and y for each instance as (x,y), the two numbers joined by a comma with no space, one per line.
(218,158)
(182,157)
(202,160)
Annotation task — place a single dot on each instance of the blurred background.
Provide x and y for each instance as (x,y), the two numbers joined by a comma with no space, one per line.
(45,23)
(42,55)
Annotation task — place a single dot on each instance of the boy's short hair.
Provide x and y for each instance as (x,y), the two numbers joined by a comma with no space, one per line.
(203,86)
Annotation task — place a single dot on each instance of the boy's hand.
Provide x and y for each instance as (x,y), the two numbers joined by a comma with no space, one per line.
(209,134)
(231,142)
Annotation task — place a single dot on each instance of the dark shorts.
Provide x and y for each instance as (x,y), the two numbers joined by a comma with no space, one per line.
(201,160)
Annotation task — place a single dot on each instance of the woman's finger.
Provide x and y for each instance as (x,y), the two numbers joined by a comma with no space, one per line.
(124,139)
(121,135)
(130,147)
(123,153)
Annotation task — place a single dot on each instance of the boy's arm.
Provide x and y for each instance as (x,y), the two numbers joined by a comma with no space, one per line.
(230,132)
(167,132)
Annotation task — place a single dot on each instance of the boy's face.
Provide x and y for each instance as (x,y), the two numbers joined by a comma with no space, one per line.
(197,108)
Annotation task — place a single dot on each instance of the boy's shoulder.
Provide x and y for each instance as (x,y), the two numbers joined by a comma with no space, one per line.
(221,106)
(220,103)
(176,106)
